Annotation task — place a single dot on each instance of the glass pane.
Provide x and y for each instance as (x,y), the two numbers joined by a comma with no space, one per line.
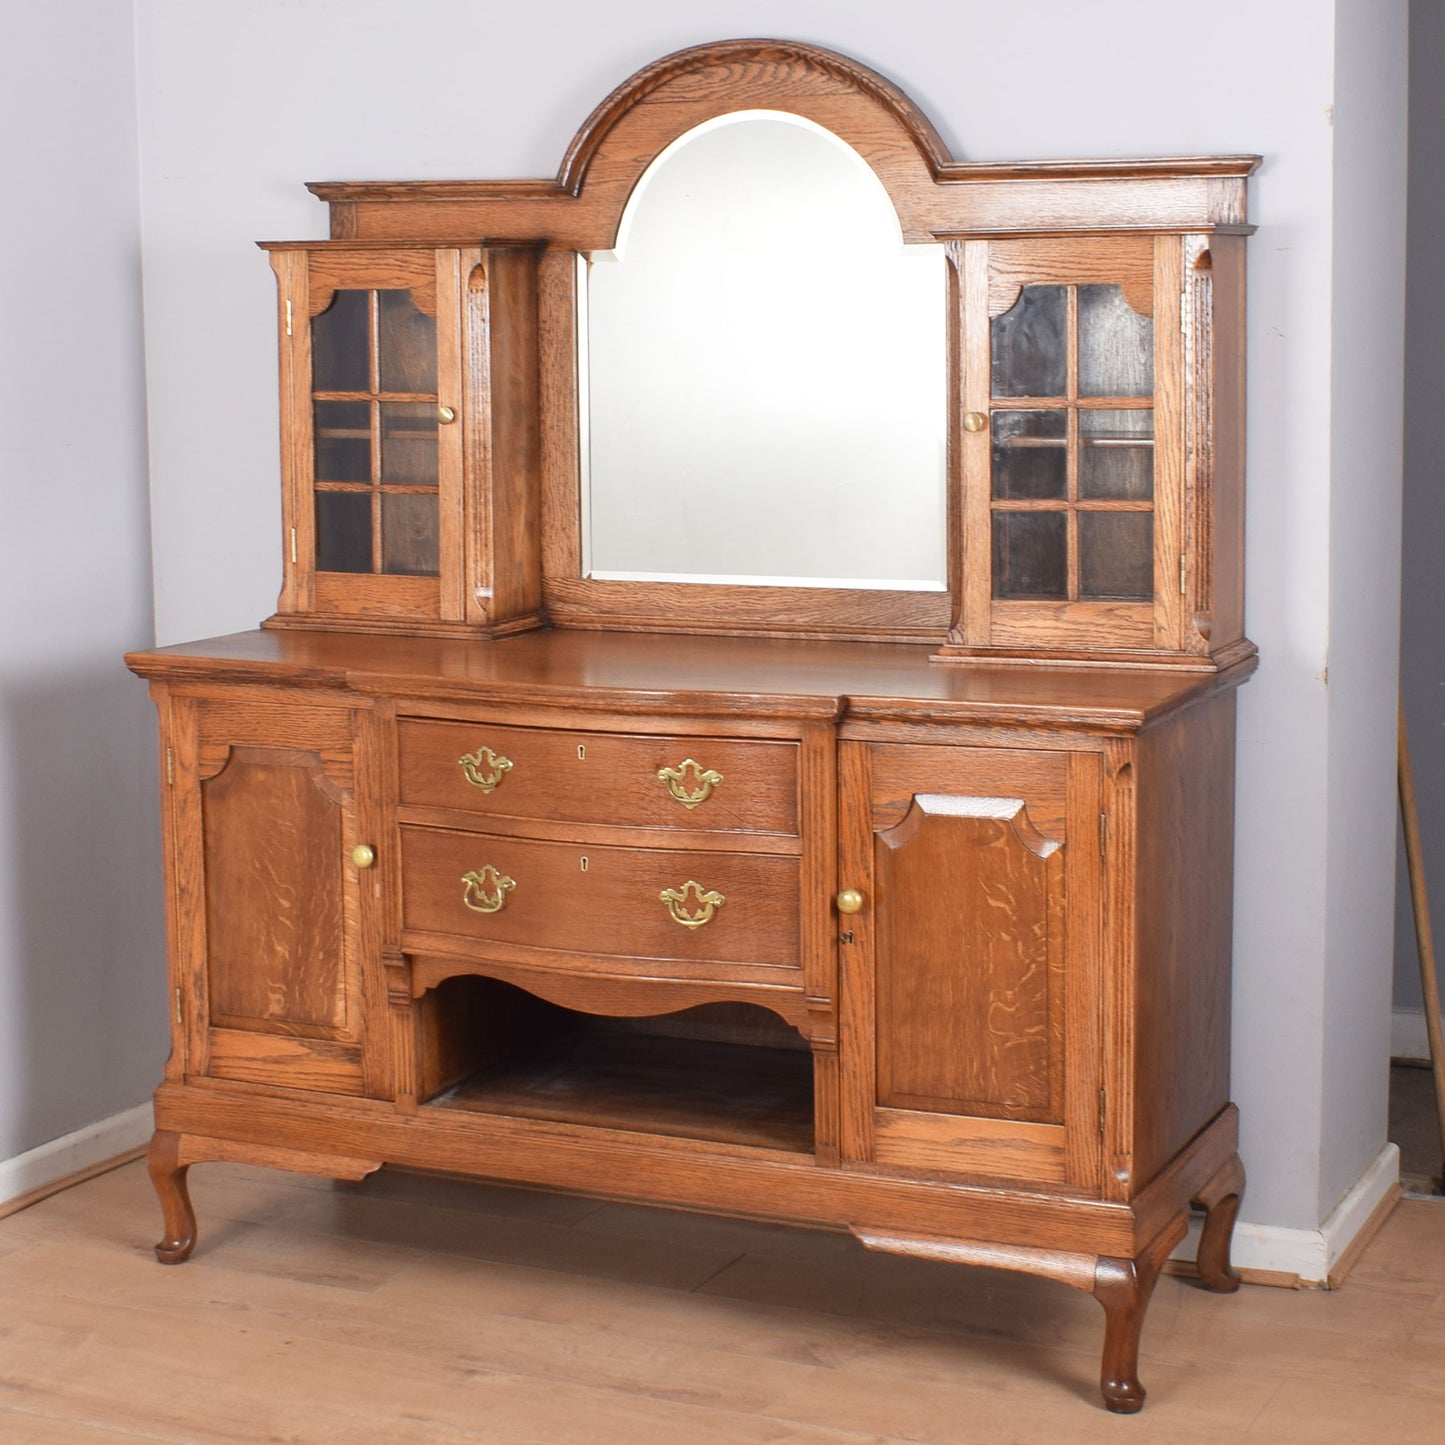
(1116,555)
(409,443)
(409,533)
(343,532)
(1030,555)
(1030,455)
(1116,345)
(1028,344)
(343,441)
(1116,455)
(408,344)
(340,349)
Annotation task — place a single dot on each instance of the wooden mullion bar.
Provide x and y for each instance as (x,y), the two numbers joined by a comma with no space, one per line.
(1071,463)
(374,361)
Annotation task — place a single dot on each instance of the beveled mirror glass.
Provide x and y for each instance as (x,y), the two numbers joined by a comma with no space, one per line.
(764,371)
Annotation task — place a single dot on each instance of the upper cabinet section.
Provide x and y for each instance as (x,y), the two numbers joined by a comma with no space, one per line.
(487,430)
(409,436)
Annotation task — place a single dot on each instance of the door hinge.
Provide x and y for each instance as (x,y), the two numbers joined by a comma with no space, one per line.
(1103,835)
(1184,312)
(179,1019)
(293,546)
(288,316)
(1103,1108)
(170,768)
(1183,573)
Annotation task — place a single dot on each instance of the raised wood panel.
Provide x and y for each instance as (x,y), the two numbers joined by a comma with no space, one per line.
(363,270)
(1071,261)
(970,985)
(898,773)
(608,778)
(323,1065)
(980,1148)
(280,722)
(276,953)
(356,596)
(612,906)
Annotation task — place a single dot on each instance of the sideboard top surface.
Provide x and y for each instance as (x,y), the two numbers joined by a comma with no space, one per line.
(665,673)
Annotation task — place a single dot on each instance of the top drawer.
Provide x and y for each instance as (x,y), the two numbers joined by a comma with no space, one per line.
(700,784)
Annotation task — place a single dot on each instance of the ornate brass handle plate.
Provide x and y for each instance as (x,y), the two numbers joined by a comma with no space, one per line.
(484,769)
(676,900)
(484,890)
(675,781)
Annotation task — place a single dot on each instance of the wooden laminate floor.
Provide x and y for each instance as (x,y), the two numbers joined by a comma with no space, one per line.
(419,1310)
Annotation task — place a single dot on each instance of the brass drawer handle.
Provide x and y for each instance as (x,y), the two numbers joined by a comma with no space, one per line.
(484,769)
(488,888)
(676,900)
(675,780)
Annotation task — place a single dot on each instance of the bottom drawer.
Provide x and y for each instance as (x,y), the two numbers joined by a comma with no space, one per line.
(630,902)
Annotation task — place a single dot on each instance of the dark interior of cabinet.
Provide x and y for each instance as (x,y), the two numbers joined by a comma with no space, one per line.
(729,1073)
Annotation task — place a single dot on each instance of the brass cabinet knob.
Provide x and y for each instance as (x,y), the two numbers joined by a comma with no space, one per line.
(850,900)
(446,415)
(974,421)
(363,856)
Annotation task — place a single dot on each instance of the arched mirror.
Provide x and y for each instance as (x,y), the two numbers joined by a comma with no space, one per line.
(764,372)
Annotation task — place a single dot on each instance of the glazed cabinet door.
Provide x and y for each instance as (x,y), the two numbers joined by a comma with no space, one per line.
(275,904)
(971,1013)
(1073,446)
(409,436)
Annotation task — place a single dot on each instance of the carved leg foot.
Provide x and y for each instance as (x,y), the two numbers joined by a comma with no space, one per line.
(168,1176)
(1220,1201)
(1123,1287)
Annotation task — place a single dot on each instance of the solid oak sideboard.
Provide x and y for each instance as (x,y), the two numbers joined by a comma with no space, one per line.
(884,907)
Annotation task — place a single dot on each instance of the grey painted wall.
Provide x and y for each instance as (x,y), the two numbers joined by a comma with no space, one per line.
(82,963)
(1422,623)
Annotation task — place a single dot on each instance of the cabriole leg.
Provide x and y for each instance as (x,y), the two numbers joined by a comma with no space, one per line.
(1220,1201)
(168,1176)
(1123,1287)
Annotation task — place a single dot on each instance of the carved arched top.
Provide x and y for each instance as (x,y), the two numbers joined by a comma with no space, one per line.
(721,77)
(933,194)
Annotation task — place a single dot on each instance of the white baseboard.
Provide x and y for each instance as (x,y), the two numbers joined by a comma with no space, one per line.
(74,1153)
(1408,1036)
(1311,1254)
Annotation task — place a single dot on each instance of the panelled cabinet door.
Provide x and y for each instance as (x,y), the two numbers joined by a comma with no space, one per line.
(276,920)
(972,1019)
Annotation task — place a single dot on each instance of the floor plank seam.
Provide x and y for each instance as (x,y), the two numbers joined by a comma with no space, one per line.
(721,1270)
